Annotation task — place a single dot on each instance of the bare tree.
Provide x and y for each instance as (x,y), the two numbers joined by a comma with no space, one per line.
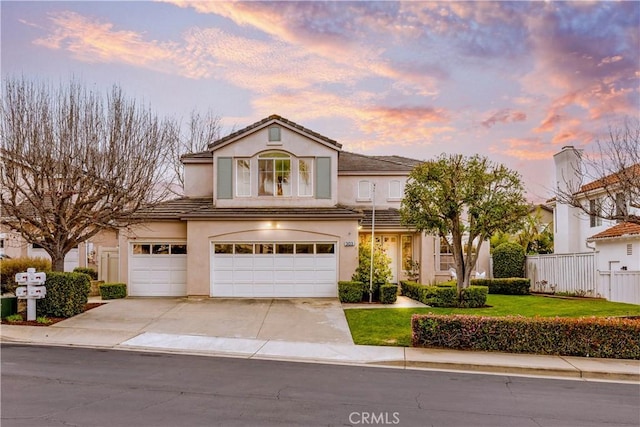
(75,162)
(195,137)
(607,182)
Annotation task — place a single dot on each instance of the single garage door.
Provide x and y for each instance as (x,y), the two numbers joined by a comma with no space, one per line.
(274,269)
(158,269)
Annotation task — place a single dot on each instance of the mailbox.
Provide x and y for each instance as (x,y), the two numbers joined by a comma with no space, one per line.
(37,292)
(21,291)
(22,277)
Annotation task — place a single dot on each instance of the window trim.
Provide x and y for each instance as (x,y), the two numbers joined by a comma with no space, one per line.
(366,197)
(238,180)
(309,162)
(274,156)
(274,135)
(399,196)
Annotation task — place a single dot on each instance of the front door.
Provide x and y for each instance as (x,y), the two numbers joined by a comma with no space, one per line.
(390,246)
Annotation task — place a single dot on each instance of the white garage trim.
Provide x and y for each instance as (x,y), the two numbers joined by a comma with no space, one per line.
(157,268)
(274,269)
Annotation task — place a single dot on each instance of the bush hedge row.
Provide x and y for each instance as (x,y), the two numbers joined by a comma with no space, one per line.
(13,266)
(67,294)
(350,291)
(388,294)
(585,337)
(87,270)
(113,290)
(445,295)
(511,286)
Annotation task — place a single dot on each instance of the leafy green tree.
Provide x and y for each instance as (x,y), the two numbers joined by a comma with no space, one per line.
(534,236)
(381,266)
(464,200)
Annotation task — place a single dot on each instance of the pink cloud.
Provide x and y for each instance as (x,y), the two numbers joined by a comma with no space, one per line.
(525,149)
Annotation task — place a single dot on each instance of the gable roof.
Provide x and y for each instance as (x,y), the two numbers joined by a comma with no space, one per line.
(269,121)
(353,162)
(619,230)
(632,171)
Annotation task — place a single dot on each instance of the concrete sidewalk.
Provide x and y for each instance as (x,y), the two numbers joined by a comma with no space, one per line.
(275,329)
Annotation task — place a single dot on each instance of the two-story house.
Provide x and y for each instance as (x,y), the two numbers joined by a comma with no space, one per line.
(617,243)
(276,210)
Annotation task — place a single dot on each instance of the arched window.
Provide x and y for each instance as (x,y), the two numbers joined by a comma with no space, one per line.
(274,174)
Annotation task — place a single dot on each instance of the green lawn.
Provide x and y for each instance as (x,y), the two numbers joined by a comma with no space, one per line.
(392,326)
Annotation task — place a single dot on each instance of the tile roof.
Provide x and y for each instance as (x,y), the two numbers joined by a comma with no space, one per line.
(385,218)
(632,172)
(203,209)
(353,162)
(200,155)
(618,230)
(269,119)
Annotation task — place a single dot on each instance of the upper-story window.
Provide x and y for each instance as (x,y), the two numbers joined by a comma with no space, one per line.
(274,134)
(305,174)
(395,189)
(595,213)
(243,177)
(364,190)
(274,174)
(621,207)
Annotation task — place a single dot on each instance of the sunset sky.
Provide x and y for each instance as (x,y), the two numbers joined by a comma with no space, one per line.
(515,81)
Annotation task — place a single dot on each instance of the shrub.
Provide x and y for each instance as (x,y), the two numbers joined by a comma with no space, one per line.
(66,294)
(473,297)
(508,260)
(86,270)
(435,296)
(11,267)
(388,294)
(350,292)
(14,318)
(512,286)
(381,269)
(585,337)
(113,290)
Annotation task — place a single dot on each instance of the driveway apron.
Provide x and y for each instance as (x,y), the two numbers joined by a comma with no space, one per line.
(319,320)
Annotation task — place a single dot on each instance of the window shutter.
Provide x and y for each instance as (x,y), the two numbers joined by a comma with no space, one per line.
(323,178)
(224,181)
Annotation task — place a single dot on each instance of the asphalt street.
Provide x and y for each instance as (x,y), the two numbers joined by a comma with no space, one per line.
(54,386)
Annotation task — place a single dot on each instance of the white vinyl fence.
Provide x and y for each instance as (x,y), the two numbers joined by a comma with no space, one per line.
(577,273)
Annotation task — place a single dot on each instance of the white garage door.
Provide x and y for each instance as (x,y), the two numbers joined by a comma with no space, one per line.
(278,269)
(158,269)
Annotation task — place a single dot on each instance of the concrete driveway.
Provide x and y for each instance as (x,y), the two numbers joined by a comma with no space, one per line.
(317,320)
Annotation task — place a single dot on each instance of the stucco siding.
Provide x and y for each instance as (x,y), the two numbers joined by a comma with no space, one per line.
(198,179)
(348,190)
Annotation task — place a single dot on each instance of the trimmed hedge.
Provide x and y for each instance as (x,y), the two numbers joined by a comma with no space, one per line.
(11,267)
(350,291)
(585,337)
(508,260)
(86,270)
(511,286)
(388,294)
(473,297)
(445,295)
(66,294)
(113,290)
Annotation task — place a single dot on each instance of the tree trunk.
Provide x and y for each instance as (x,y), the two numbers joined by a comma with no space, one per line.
(57,262)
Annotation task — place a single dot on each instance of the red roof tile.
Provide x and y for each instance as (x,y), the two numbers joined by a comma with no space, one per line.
(618,230)
(632,172)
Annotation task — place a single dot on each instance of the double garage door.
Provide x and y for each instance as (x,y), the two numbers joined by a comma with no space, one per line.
(273,269)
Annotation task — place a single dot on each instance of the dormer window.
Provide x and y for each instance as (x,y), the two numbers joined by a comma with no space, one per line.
(274,134)
(274,174)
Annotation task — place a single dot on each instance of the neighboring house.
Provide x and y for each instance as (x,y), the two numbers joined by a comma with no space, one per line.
(276,210)
(94,253)
(616,243)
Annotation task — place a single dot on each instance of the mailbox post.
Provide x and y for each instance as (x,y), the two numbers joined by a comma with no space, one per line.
(34,289)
